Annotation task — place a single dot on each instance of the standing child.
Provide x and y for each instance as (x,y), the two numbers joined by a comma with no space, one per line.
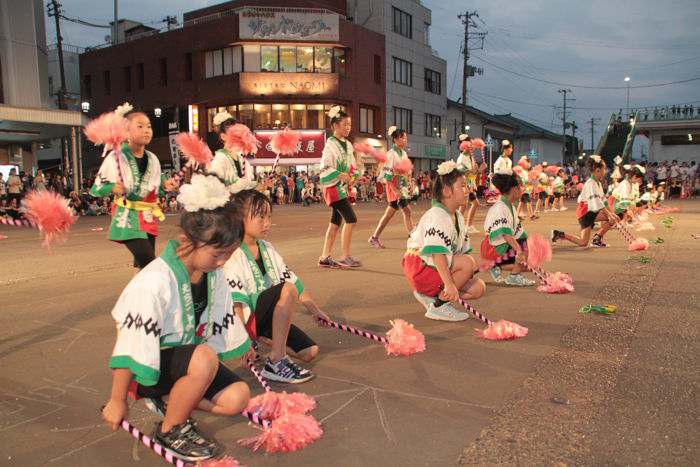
(523,172)
(506,238)
(437,264)
(135,212)
(397,186)
(504,164)
(467,164)
(591,208)
(337,160)
(558,184)
(265,293)
(176,322)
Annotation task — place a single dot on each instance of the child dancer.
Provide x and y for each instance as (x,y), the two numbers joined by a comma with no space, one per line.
(558,185)
(624,197)
(265,293)
(467,164)
(591,208)
(505,236)
(541,192)
(337,160)
(135,211)
(396,183)
(523,172)
(176,322)
(437,264)
(504,164)
(229,164)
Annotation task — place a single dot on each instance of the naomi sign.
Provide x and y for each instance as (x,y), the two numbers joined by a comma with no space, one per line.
(288,25)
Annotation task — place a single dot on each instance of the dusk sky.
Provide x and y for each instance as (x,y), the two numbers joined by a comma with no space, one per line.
(594,43)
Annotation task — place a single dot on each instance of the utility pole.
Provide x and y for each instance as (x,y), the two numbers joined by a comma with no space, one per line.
(574,146)
(115,33)
(593,121)
(563,122)
(467,21)
(54,9)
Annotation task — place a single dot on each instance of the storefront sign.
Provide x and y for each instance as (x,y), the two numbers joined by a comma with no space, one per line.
(276,24)
(310,147)
(173,130)
(435,151)
(280,84)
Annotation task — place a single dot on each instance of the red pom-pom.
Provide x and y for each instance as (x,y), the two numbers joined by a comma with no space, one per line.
(539,250)
(404,339)
(379,155)
(285,142)
(273,405)
(404,165)
(194,148)
(239,138)
(502,330)
(638,244)
(534,173)
(50,212)
(465,146)
(288,433)
(579,187)
(363,148)
(108,129)
(574,178)
(557,283)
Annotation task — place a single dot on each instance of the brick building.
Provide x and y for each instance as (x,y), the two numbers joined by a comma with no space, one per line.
(267,62)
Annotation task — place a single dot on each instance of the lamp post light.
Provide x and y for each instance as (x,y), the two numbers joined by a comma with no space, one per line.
(627,80)
(85,106)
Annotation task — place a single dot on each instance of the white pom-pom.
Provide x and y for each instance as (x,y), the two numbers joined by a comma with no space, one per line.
(446,167)
(221,117)
(463,137)
(124,109)
(242,184)
(203,192)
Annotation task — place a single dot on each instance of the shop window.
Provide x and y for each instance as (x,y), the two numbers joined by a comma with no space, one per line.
(305,59)
(280,115)
(246,115)
(263,116)
(269,58)
(251,57)
(316,116)
(297,113)
(323,59)
(366,120)
(288,59)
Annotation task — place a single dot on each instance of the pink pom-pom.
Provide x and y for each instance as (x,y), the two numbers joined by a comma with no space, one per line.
(108,129)
(518,170)
(285,142)
(557,283)
(579,187)
(194,148)
(534,173)
(404,165)
(574,178)
(273,405)
(478,143)
(552,170)
(502,330)
(3,237)
(379,155)
(404,339)
(239,138)
(539,250)
(288,433)
(638,244)
(363,148)
(226,461)
(50,212)
(465,146)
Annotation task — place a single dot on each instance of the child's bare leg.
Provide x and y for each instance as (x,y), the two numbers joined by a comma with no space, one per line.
(463,267)
(384,221)
(407,222)
(281,320)
(472,211)
(583,240)
(473,289)
(306,355)
(229,401)
(328,242)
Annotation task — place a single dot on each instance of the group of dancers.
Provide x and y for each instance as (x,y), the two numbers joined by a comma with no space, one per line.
(219,288)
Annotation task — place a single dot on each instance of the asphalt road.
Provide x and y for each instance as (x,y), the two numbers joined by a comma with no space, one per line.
(582,389)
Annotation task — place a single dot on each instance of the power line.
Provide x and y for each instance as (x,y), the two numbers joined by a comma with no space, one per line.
(510,112)
(556,83)
(512,100)
(85,23)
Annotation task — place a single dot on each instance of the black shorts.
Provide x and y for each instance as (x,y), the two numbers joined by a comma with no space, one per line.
(588,219)
(525,197)
(173,366)
(342,211)
(472,196)
(557,195)
(297,340)
(640,203)
(542,195)
(399,203)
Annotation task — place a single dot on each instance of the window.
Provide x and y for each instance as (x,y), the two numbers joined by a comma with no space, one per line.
(340,61)
(87,86)
(316,116)
(236,53)
(426,32)
(212,111)
(140,75)
(188,66)
(433,81)
(246,115)
(288,59)
(280,114)
(403,119)
(402,23)
(228,61)
(107,83)
(305,59)
(432,126)
(366,120)
(163,62)
(127,78)
(403,72)
(377,69)
(323,59)
(298,115)
(251,57)
(269,58)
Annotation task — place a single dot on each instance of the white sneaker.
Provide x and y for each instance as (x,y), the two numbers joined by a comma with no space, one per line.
(445,312)
(563,209)
(423,299)
(517,279)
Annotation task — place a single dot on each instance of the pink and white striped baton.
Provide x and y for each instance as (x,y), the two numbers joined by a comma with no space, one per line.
(359,332)
(153,445)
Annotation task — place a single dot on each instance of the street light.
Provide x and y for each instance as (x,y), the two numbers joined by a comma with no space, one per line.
(157,112)
(85,106)
(627,80)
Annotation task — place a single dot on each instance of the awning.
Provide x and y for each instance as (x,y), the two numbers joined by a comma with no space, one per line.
(26,124)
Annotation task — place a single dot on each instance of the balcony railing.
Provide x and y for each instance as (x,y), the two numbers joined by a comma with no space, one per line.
(674,112)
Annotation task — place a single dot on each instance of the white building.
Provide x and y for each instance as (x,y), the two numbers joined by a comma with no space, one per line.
(415,75)
(71,67)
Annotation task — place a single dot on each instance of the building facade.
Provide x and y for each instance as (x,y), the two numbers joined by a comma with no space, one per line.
(416,79)
(276,64)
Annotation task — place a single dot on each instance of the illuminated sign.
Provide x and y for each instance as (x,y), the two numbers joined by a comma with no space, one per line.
(193,118)
(310,146)
(280,84)
(289,25)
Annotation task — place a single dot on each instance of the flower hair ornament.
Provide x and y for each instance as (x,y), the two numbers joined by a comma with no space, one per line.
(446,167)
(641,169)
(595,158)
(463,137)
(221,117)
(334,111)
(627,167)
(617,160)
(203,192)
(123,109)
(505,143)
(390,131)
(242,184)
